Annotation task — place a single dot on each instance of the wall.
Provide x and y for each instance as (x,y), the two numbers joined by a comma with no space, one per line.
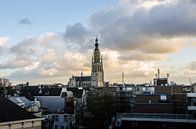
(152,104)
(52,103)
(154,108)
(25,125)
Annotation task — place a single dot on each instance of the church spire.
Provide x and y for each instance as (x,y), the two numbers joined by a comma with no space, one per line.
(97,74)
(96,44)
(96,52)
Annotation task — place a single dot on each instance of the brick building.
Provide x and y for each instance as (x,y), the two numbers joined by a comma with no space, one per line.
(165,99)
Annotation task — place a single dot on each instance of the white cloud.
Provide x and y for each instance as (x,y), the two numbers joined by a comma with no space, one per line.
(47,38)
(3,40)
(32,66)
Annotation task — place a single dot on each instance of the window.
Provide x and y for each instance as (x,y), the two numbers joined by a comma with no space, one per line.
(65,118)
(62,127)
(56,127)
(163,97)
(56,118)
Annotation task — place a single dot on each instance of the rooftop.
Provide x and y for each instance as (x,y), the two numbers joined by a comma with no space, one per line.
(9,111)
(42,91)
(82,78)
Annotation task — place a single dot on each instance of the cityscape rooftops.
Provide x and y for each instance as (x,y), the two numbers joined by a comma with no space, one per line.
(9,111)
(42,91)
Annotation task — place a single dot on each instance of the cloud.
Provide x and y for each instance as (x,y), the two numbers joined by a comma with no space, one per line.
(46,56)
(3,40)
(64,66)
(76,32)
(134,70)
(192,66)
(47,38)
(135,55)
(16,62)
(163,28)
(188,72)
(78,37)
(25,52)
(133,36)
(25,21)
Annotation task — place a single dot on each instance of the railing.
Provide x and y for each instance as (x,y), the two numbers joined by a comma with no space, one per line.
(155,116)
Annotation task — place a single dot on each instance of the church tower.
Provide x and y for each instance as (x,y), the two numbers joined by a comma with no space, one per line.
(97,74)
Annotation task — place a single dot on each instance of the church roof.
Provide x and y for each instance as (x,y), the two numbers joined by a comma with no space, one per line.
(82,78)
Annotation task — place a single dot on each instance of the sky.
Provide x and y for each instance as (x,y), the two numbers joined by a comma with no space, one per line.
(49,41)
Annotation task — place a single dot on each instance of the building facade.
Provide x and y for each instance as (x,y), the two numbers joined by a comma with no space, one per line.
(59,121)
(192,103)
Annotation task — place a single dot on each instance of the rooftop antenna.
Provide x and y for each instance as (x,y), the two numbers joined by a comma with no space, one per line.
(158,72)
(80,79)
(123,82)
(167,75)
(167,79)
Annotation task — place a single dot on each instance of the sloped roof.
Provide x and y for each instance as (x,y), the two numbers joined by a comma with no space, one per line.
(82,78)
(9,111)
(42,91)
(20,99)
